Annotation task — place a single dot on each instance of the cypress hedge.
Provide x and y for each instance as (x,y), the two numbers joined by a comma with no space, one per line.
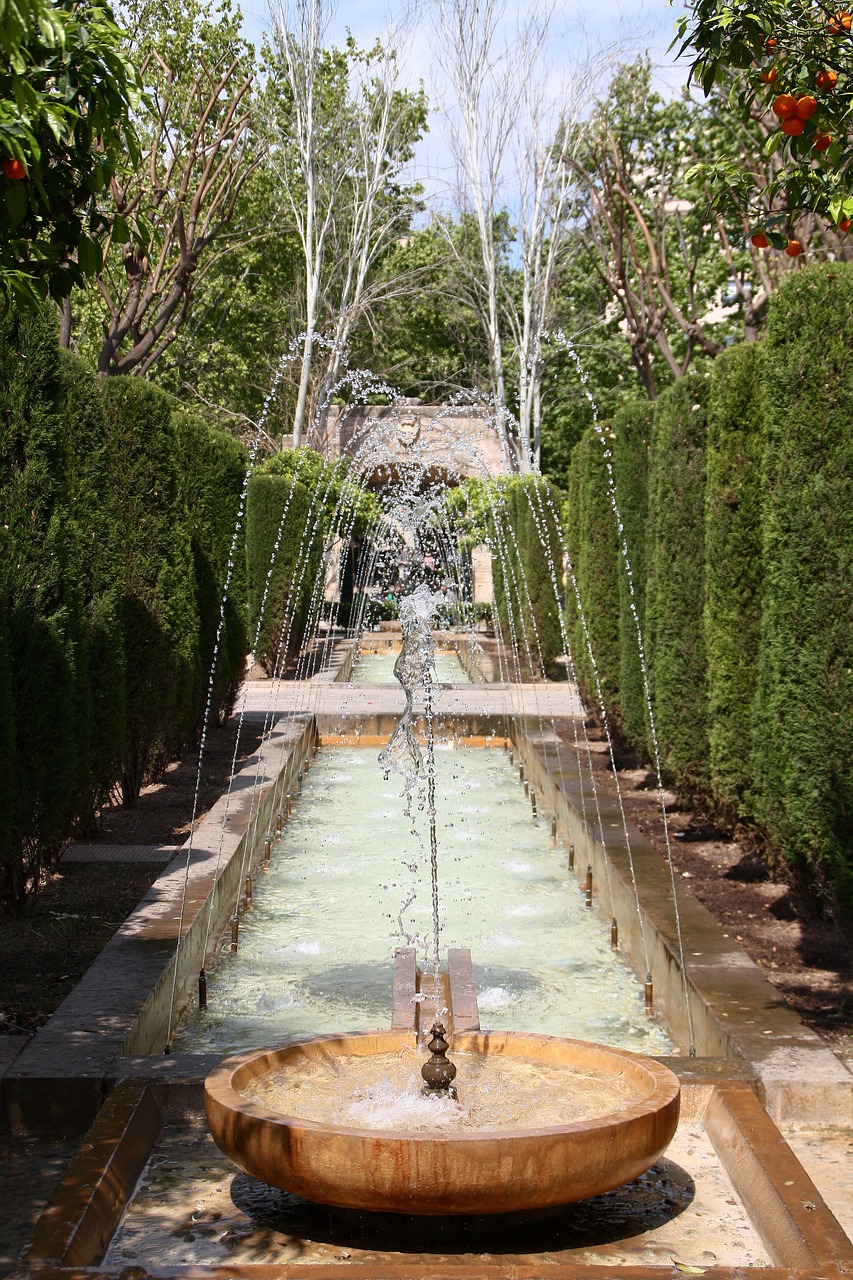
(163,684)
(280,503)
(40,600)
(675,589)
(212,469)
(733,572)
(115,517)
(98,527)
(594,550)
(9,852)
(632,429)
(525,536)
(804,721)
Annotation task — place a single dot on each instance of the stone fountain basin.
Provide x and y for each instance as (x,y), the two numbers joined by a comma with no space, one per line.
(440,1173)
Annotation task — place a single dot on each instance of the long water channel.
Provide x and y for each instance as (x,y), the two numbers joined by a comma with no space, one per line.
(378,668)
(349,883)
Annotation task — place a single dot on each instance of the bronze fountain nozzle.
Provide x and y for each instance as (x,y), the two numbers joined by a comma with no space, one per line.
(438,1072)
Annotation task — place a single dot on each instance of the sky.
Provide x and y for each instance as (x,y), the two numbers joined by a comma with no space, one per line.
(635,25)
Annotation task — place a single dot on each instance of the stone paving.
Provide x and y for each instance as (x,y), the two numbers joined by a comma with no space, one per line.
(542,700)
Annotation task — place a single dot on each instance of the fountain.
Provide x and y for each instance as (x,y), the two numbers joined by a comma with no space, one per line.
(538,1121)
(342,1119)
(441,1171)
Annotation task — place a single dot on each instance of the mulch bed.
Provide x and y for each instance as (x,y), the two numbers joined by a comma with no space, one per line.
(804,954)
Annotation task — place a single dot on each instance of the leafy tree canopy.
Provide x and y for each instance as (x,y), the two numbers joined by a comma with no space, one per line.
(67,92)
(791,62)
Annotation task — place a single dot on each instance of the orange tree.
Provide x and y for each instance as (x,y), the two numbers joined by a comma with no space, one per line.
(67,94)
(789,63)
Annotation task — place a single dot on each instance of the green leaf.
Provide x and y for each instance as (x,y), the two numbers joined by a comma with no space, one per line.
(16,202)
(89,256)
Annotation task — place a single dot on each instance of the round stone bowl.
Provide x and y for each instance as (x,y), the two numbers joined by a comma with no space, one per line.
(444,1173)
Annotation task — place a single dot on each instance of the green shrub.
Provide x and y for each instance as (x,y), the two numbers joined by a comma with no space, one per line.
(212,468)
(594,550)
(804,723)
(8,848)
(97,536)
(114,521)
(346,504)
(159,614)
(524,535)
(40,593)
(733,571)
(280,509)
(632,429)
(675,591)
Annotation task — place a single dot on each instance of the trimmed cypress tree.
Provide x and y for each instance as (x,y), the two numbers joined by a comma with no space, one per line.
(97,525)
(595,558)
(804,723)
(526,560)
(159,614)
(733,571)
(632,428)
(271,500)
(572,520)
(40,593)
(8,848)
(213,469)
(676,584)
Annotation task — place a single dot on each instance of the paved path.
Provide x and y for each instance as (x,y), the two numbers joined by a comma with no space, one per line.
(93,851)
(310,698)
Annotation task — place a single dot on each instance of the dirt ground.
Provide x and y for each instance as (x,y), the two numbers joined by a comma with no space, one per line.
(807,957)
(46,950)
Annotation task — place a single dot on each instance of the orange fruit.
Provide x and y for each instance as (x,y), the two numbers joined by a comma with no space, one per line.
(823,141)
(770,76)
(14,169)
(844,226)
(793,126)
(827,79)
(806,106)
(760,240)
(793,248)
(770,42)
(840,22)
(785,106)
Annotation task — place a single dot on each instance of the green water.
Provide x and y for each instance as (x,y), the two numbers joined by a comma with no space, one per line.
(378,668)
(316,952)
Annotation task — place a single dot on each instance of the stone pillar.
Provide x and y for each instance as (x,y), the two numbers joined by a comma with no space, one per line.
(481,573)
(333,568)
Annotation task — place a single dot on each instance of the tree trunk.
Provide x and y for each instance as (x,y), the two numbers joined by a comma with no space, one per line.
(65,323)
(304,381)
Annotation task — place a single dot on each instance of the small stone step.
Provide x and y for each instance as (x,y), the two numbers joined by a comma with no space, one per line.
(93,851)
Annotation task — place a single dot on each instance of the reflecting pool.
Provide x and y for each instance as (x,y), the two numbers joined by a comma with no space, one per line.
(350,882)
